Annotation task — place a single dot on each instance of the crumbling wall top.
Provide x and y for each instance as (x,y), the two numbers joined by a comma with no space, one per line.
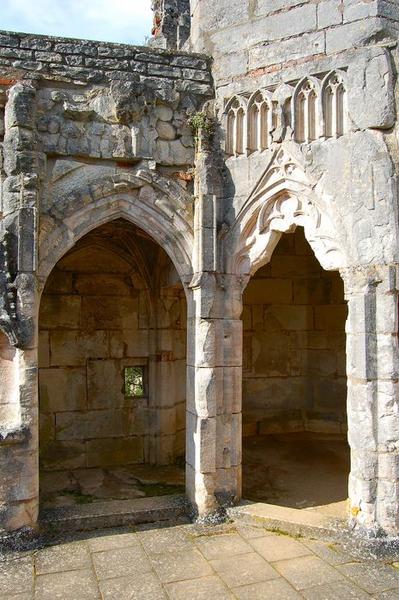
(36,56)
(171,23)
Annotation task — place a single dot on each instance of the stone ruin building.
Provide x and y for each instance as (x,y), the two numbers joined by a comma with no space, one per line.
(198,256)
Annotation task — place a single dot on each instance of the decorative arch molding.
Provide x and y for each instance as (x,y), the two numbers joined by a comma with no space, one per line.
(235,123)
(282,200)
(335,110)
(306,110)
(88,196)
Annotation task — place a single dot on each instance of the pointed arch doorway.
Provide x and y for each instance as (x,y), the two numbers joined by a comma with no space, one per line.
(295,449)
(112,366)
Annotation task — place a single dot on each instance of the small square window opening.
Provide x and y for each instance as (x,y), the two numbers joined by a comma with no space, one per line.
(134,382)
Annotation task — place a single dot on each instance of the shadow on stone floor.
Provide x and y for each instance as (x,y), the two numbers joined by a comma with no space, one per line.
(296,470)
(87,486)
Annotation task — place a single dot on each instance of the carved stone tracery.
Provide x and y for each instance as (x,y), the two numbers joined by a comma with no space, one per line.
(282,200)
(313,109)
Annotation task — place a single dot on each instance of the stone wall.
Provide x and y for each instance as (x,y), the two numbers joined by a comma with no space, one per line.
(98,132)
(294,376)
(9,382)
(89,132)
(98,315)
(90,61)
(246,37)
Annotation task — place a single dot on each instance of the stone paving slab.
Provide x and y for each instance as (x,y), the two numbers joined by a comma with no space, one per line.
(339,590)
(120,562)
(280,547)
(200,589)
(178,566)
(306,572)
(145,587)
(159,540)
(66,557)
(390,595)
(16,576)
(188,562)
(80,584)
(372,576)
(243,570)
(277,589)
(222,546)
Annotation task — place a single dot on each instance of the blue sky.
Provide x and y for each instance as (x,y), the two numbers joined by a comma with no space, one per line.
(125,21)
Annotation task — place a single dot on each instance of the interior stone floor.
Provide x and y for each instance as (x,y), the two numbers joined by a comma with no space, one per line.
(86,486)
(188,562)
(297,470)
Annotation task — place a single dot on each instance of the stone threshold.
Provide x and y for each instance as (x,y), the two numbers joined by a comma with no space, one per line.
(314,524)
(113,513)
(292,521)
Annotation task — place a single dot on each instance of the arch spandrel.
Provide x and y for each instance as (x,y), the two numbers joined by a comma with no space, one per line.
(85,197)
(283,199)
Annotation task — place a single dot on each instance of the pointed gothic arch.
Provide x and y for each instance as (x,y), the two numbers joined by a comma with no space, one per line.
(96,196)
(283,199)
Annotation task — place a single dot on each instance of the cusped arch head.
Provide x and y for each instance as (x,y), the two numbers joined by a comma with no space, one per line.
(282,200)
(235,103)
(157,206)
(306,84)
(259,97)
(337,76)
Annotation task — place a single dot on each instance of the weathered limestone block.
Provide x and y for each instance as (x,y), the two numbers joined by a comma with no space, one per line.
(112,423)
(275,52)
(115,452)
(61,311)
(95,132)
(371,90)
(64,455)
(70,348)
(166,131)
(62,390)
(204,387)
(201,447)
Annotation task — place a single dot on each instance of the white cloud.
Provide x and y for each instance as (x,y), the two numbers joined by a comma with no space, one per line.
(125,21)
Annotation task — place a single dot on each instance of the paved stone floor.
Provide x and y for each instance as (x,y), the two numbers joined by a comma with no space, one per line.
(187,562)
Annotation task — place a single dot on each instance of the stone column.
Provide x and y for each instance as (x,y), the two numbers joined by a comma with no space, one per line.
(204,386)
(214,356)
(214,394)
(19,488)
(373,399)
